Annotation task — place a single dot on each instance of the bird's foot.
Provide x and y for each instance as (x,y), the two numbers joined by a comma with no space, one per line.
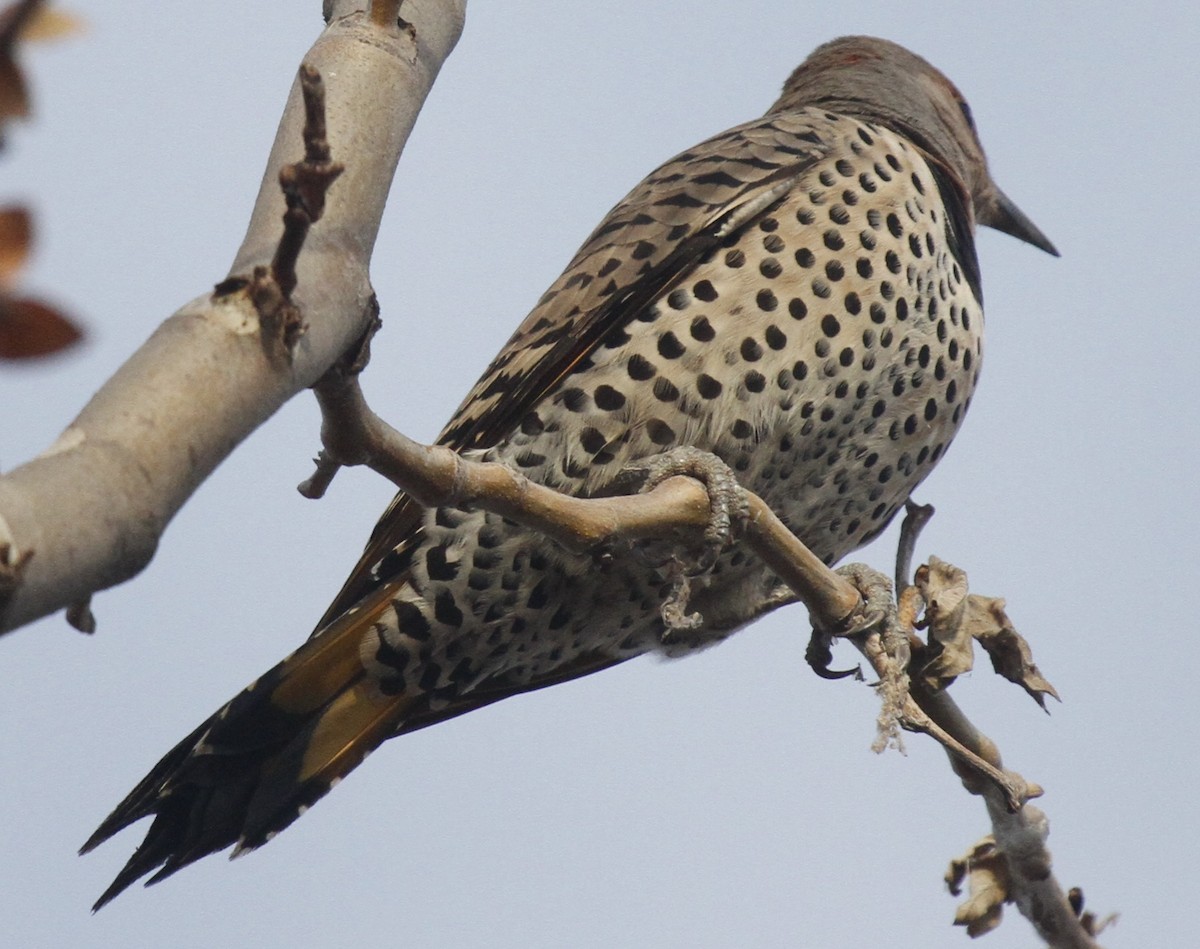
(728,509)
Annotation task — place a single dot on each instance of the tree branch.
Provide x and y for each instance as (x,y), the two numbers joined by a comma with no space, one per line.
(89,512)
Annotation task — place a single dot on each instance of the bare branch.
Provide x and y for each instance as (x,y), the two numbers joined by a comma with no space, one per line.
(92,508)
(1020,871)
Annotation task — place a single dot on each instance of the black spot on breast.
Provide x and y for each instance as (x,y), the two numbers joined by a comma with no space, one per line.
(775,337)
(800,370)
(538,596)
(445,610)
(669,346)
(660,432)
(665,390)
(574,399)
(741,429)
(592,440)
(486,559)
(830,325)
(678,299)
(734,258)
(797,308)
(833,240)
(429,677)
(573,468)
(702,331)
(863,267)
(640,368)
(770,268)
(410,620)
(821,289)
(834,270)
(616,338)
(853,304)
(437,566)
(766,300)
(893,225)
(773,243)
(707,386)
(530,459)
(608,398)
(532,424)
(704,290)
(751,351)
(805,257)
(839,215)
(754,381)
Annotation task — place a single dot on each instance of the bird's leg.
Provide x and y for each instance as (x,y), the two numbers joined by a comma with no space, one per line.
(728,511)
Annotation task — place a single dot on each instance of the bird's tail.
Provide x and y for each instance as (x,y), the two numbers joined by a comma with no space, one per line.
(262,760)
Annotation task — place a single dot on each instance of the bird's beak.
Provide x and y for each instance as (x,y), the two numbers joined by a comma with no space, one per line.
(1000,213)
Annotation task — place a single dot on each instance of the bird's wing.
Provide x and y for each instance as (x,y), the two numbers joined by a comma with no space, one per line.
(656,235)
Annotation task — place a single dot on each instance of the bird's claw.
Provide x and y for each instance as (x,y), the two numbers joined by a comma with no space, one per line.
(728,506)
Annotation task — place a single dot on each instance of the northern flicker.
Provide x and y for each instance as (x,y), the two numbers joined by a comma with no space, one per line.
(799,295)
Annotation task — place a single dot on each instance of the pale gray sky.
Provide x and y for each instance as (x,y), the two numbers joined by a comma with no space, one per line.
(725,800)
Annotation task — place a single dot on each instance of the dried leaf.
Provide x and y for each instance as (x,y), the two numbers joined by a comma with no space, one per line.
(943,586)
(16,233)
(50,24)
(986,873)
(22,21)
(1010,653)
(29,329)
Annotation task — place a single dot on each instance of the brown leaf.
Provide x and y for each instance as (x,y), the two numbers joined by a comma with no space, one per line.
(50,24)
(1010,653)
(943,586)
(986,873)
(16,233)
(29,329)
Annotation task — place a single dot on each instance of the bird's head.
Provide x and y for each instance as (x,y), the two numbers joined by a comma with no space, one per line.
(883,83)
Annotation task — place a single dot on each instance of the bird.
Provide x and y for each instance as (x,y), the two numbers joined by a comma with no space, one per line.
(799,296)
